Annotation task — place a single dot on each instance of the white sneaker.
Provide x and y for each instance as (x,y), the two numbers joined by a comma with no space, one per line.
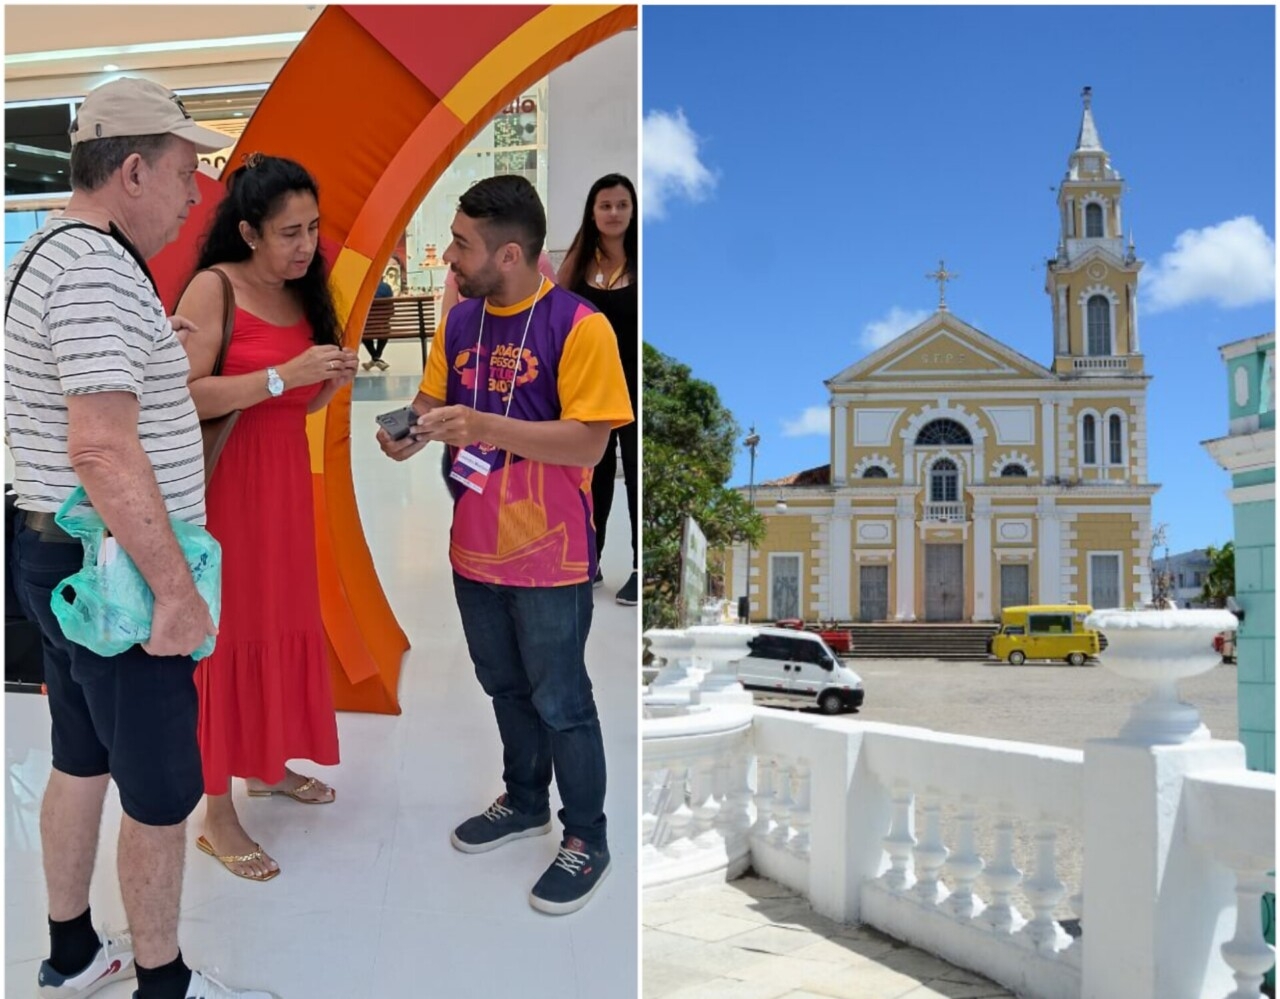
(205,986)
(113,962)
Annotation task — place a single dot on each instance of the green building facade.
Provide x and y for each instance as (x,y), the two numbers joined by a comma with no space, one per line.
(1248,452)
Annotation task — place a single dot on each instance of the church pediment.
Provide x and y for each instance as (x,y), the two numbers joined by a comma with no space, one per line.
(942,347)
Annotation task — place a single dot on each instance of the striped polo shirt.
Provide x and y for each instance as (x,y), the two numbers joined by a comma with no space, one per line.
(85,318)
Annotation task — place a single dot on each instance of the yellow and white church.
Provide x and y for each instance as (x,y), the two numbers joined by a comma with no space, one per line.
(966,477)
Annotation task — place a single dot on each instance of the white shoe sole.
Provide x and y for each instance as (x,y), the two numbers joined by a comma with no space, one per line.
(564,908)
(494,844)
(627,603)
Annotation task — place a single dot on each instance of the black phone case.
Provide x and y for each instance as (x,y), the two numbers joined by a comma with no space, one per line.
(398,422)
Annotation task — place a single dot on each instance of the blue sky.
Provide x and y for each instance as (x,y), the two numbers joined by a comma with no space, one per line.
(806,167)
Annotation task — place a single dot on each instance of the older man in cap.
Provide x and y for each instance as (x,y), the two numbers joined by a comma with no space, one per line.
(96,395)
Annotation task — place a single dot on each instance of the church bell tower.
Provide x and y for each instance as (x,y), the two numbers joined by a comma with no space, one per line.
(1093,278)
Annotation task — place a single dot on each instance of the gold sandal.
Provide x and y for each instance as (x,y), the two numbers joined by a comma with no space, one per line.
(297,793)
(204,846)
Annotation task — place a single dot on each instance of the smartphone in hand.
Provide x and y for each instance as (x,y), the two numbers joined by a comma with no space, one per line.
(398,423)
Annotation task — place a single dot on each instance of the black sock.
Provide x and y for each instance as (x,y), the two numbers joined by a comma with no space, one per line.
(72,944)
(169,981)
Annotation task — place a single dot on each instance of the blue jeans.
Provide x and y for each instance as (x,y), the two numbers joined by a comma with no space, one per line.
(528,645)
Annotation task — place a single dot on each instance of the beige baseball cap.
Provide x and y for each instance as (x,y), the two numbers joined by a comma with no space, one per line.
(130,106)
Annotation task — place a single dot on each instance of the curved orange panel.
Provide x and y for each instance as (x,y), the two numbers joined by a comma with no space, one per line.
(376,101)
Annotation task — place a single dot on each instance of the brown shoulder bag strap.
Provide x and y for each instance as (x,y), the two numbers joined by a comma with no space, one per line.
(228,319)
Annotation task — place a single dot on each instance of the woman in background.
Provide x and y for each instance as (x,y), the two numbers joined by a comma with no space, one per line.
(265,694)
(603,266)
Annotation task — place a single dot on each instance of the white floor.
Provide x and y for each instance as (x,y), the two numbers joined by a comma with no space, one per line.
(372,900)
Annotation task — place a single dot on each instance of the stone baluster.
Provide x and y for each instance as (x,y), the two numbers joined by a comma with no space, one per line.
(703,799)
(965,864)
(930,852)
(720,778)
(765,768)
(782,805)
(1004,877)
(901,841)
(1248,954)
(737,810)
(801,818)
(679,827)
(1044,891)
(651,802)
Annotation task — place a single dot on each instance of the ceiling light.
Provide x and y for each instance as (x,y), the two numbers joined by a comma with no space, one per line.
(13,165)
(237,114)
(185,45)
(110,68)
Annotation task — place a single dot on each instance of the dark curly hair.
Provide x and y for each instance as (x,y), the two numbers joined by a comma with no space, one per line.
(588,238)
(255,192)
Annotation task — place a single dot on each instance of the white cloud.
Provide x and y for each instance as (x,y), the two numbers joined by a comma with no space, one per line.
(814,421)
(671,166)
(892,325)
(1232,264)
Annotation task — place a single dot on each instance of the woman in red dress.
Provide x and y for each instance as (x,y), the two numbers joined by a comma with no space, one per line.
(265,696)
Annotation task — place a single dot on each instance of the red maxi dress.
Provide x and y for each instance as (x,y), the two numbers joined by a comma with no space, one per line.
(265,695)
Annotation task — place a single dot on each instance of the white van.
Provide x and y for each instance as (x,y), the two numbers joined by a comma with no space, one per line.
(799,665)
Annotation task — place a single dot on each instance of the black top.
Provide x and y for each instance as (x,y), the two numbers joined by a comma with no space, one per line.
(621,306)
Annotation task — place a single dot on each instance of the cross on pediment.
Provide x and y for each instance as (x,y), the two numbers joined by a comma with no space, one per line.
(942,276)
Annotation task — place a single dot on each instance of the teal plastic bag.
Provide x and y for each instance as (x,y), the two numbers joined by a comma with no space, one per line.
(113,604)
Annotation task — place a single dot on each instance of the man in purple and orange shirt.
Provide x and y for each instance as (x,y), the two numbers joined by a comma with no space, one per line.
(524,384)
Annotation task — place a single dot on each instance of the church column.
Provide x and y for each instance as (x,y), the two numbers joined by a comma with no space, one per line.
(1049,440)
(840,546)
(738,585)
(840,464)
(905,557)
(1064,341)
(981,558)
(1134,346)
(1049,552)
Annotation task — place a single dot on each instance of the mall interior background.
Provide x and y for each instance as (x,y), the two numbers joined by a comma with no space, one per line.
(562,133)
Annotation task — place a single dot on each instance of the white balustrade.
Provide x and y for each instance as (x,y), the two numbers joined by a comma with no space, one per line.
(900,842)
(894,813)
(965,865)
(945,512)
(931,853)
(800,815)
(1101,364)
(1044,891)
(1004,877)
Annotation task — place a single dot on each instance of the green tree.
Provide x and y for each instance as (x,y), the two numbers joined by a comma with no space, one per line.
(689,445)
(1220,581)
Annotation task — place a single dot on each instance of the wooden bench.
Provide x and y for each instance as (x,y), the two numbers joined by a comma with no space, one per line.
(406,317)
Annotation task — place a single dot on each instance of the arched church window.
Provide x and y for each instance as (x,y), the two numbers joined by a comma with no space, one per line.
(1093,220)
(1099,318)
(1090,433)
(944,481)
(943,431)
(1115,440)
(1013,471)
(875,472)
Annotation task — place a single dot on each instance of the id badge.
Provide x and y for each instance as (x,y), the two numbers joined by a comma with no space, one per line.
(472,468)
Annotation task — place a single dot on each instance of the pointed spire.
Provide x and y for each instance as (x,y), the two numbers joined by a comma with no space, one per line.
(1088,137)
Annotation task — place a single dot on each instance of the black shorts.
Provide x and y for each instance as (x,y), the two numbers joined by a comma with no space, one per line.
(132,716)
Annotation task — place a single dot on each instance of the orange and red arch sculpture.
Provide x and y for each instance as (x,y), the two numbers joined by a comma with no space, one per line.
(376,101)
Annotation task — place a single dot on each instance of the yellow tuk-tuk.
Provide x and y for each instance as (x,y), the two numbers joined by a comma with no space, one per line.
(1045,631)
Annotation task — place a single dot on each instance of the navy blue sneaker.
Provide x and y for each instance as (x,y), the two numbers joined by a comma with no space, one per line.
(571,880)
(496,825)
(112,962)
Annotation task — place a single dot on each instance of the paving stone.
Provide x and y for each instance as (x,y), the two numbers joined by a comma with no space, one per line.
(660,980)
(710,926)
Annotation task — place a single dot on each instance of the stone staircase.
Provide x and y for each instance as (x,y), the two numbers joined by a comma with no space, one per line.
(956,641)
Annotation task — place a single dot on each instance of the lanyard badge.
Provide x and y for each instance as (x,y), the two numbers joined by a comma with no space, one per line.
(472,466)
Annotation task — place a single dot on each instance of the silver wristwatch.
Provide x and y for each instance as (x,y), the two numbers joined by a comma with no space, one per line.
(275,384)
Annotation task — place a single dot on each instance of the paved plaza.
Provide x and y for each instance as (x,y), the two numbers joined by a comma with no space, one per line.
(753,939)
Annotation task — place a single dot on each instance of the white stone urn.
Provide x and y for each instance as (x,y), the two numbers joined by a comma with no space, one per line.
(1161,647)
(720,646)
(674,646)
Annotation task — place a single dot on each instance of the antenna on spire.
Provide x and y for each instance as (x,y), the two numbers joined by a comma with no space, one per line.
(1087,94)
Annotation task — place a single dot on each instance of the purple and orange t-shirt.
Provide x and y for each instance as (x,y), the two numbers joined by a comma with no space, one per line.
(532,525)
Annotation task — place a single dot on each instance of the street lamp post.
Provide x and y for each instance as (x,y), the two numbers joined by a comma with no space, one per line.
(751,442)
